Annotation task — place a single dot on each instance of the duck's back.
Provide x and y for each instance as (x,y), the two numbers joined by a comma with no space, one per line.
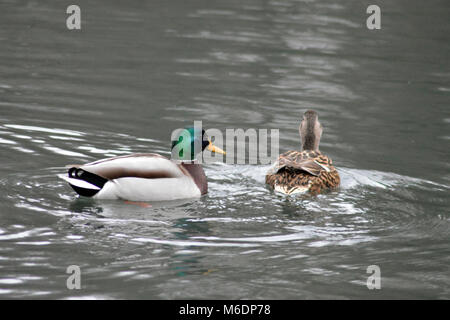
(303,171)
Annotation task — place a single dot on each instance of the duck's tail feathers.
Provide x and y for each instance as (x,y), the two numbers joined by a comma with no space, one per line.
(285,189)
(84,183)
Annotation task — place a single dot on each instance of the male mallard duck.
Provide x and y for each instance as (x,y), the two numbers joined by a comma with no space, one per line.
(305,170)
(146,176)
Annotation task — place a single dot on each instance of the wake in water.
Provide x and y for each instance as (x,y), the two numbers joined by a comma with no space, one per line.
(342,217)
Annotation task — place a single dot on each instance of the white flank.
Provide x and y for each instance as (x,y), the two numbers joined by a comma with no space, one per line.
(140,189)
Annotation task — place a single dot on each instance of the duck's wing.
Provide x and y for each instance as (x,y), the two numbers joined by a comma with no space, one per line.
(311,162)
(139,165)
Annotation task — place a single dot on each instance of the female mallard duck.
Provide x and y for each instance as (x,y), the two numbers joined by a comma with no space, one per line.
(306,170)
(147,176)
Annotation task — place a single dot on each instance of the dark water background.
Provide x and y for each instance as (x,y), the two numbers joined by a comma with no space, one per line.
(139,69)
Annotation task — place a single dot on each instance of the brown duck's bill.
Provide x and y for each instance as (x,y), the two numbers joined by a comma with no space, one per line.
(215,149)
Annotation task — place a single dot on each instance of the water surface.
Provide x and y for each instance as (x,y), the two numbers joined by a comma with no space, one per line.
(139,69)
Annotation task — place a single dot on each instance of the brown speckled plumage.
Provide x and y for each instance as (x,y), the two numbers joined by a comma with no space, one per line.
(304,171)
(298,171)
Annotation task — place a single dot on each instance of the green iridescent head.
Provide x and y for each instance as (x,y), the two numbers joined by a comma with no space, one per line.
(189,142)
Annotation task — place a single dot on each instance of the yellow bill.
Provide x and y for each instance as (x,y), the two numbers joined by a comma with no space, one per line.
(215,149)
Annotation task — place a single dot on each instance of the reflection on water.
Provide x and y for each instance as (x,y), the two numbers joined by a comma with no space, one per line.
(137,71)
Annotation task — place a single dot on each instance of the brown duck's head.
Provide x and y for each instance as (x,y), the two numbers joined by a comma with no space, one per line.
(310,131)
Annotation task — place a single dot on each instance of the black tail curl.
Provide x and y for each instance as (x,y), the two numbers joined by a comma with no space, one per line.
(80,174)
